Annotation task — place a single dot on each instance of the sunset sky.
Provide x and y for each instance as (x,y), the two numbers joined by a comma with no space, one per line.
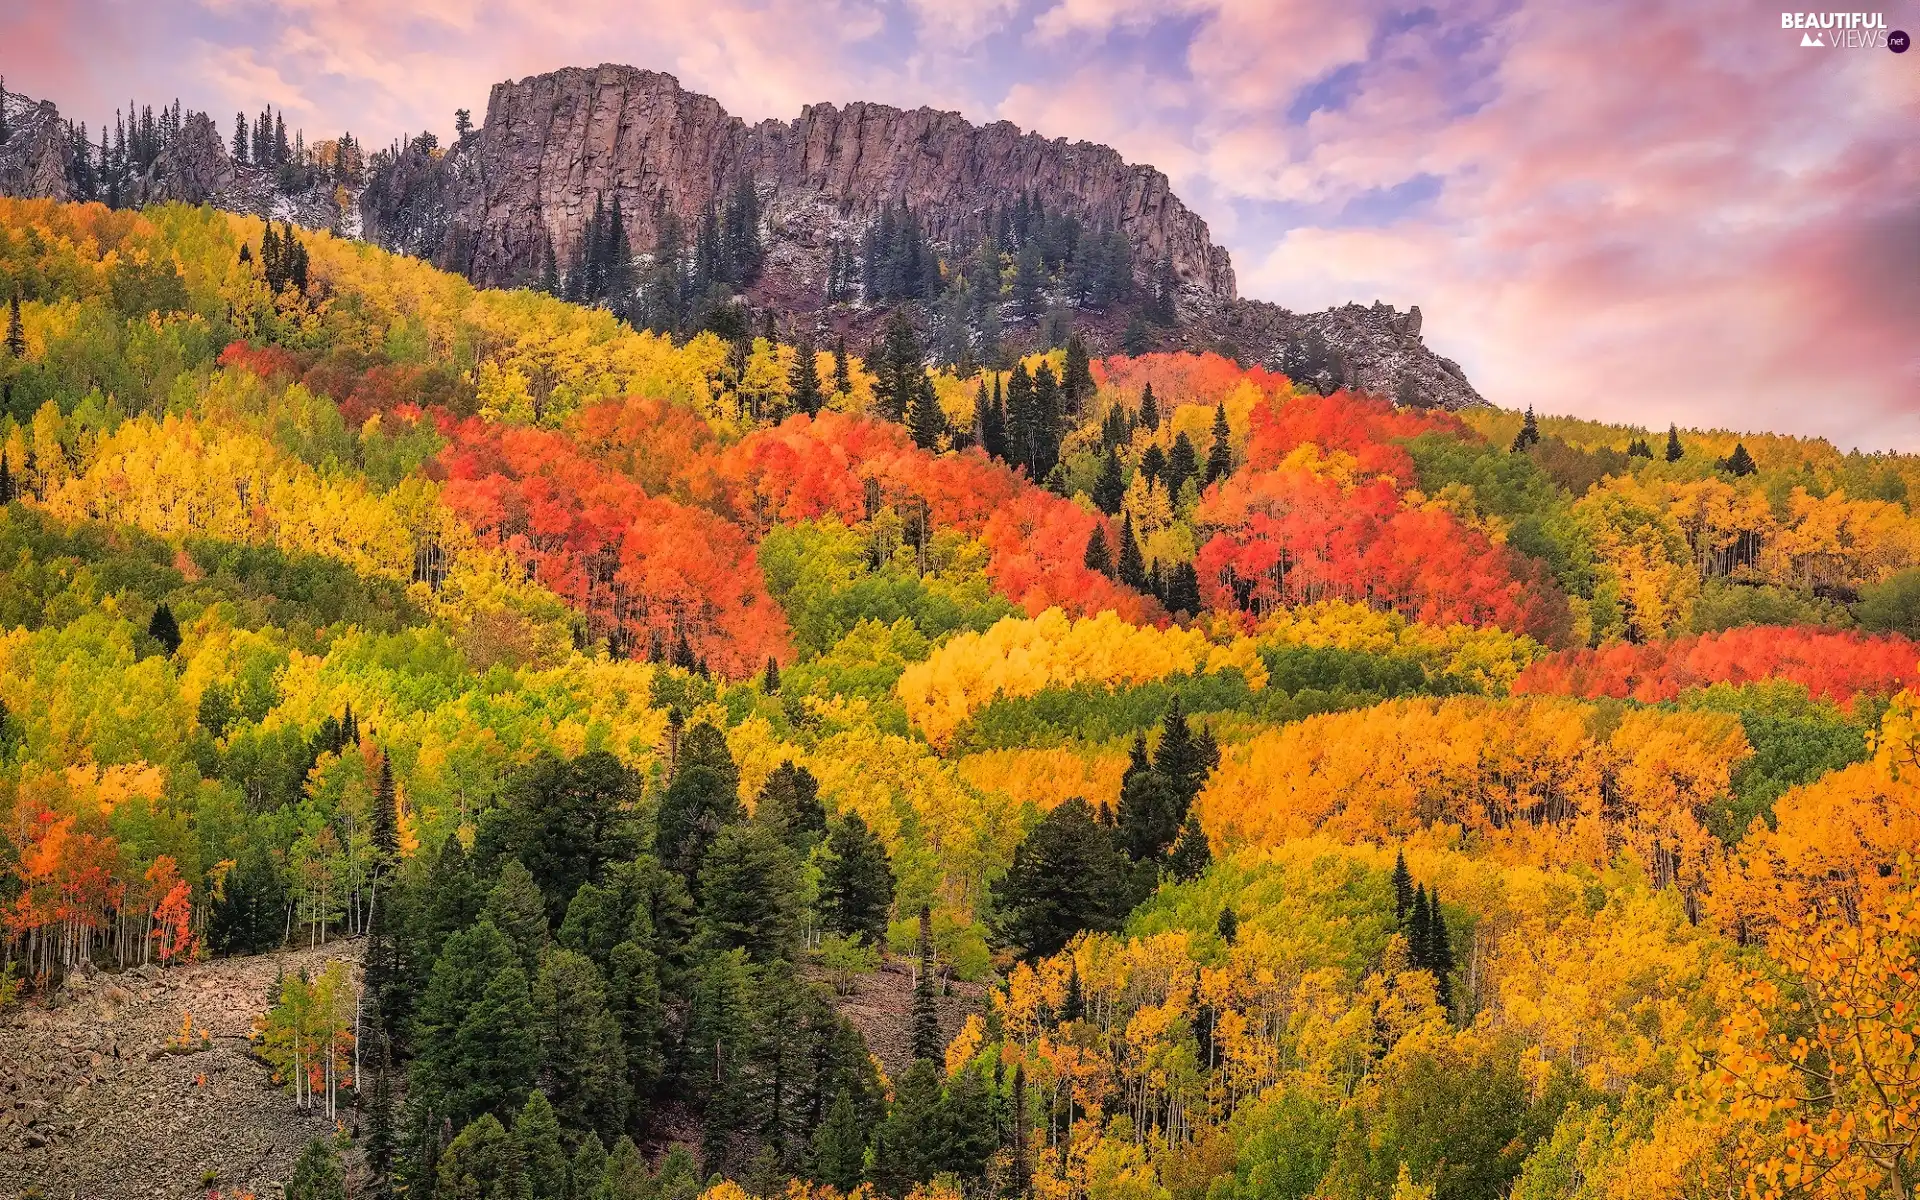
(1631,211)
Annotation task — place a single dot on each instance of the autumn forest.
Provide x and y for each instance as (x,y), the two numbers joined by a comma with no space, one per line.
(1261,793)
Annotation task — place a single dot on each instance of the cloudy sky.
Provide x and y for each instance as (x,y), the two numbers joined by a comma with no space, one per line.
(1629,210)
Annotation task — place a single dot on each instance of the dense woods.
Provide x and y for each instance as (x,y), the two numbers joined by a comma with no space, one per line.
(1333,798)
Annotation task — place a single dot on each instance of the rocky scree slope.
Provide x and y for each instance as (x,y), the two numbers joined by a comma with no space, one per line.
(93,1108)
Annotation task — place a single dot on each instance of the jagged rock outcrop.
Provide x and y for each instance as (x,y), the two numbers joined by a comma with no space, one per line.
(195,168)
(1373,348)
(37,157)
(553,145)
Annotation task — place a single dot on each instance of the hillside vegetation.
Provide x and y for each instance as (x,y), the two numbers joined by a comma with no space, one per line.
(1335,799)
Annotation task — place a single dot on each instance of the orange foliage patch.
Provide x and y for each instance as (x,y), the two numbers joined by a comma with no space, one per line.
(1832,665)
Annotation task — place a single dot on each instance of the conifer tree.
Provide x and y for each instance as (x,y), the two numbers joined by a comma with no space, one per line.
(240,137)
(1529,434)
(1136,341)
(1228,926)
(517,909)
(750,894)
(536,1136)
(789,805)
(381,1143)
(839,1146)
(1067,876)
(16,330)
(1076,379)
(804,381)
(1132,568)
(1674,449)
(842,371)
(1021,1171)
(927,1042)
(587,1168)
(1183,591)
(1099,557)
(1739,463)
(583,1065)
(483,1163)
(1220,457)
(1020,419)
(164,629)
(1046,422)
(1110,489)
(1149,409)
(317,1175)
(1074,1006)
(5,133)
(1182,465)
(1402,887)
(1191,854)
(929,421)
(6,481)
(1417,930)
(1142,804)
(1439,951)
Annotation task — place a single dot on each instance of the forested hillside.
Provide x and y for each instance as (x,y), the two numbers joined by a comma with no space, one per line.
(1332,798)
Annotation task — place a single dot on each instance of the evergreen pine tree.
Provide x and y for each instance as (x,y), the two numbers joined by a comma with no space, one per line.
(1182,760)
(1110,489)
(16,330)
(1019,419)
(483,1162)
(1183,593)
(1149,409)
(381,1143)
(839,1146)
(789,806)
(1402,888)
(1228,926)
(1074,1006)
(842,371)
(1067,875)
(1191,855)
(929,421)
(1529,434)
(536,1136)
(317,1175)
(385,834)
(1020,1171)
(1220,457)
(993,438)
(750,894)
(164,629)
(1132,568)
(5,133)
(587,1168)
(517,909)
(1417,930)
(1046,422)
(1182,465)
(908,1146)
(1142,804)
(1076,379)
(1439,951)
(1674,450)
(583,1065)
(927,1042)
(6,481)
(1739,463)
(804,381)
(1099,557)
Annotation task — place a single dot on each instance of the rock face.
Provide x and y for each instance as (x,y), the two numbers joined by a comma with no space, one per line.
(1373,348)
(553,145)
(37,156)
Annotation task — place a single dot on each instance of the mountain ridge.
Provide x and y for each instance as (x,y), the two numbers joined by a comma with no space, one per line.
(554,147)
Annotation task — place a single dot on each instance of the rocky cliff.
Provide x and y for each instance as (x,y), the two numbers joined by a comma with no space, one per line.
(37,157)
(554,145)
